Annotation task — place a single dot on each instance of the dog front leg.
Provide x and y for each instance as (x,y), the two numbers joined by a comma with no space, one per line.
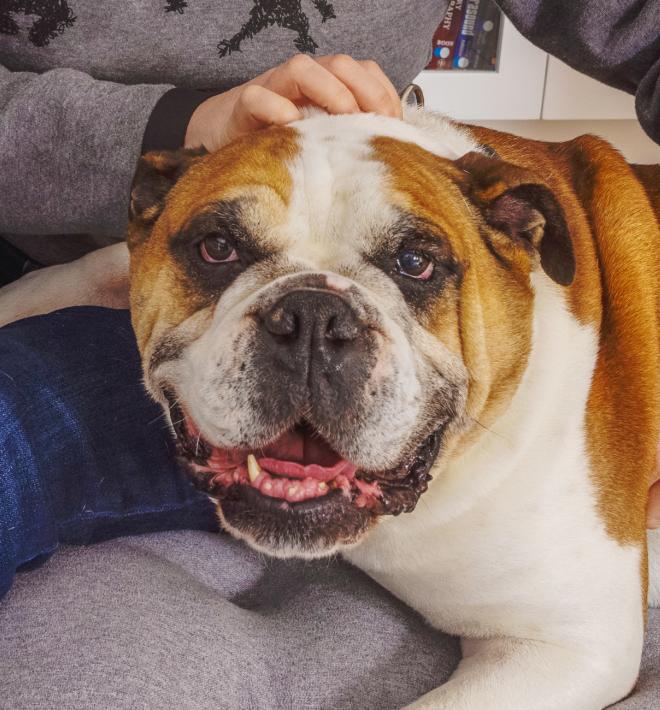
(521,674)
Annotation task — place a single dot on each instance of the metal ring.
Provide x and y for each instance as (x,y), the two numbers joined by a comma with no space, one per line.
(417,94)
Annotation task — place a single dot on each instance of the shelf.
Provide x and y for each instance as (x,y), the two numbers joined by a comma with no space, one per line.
(514,92)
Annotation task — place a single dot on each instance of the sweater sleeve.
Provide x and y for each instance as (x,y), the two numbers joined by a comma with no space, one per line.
(614,41)
(68,149)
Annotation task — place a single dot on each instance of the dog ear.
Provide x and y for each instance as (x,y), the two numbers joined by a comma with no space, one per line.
(522,206)
(157,172)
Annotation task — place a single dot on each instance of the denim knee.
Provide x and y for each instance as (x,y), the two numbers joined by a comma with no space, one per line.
(84,453)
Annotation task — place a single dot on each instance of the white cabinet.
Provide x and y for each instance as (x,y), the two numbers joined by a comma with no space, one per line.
(570,95)
(528,85)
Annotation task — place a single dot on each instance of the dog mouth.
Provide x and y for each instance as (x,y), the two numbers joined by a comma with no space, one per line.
(300,471)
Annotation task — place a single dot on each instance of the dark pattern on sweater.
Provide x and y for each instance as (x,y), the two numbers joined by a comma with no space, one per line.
(176,6)
(52,18)
(266,13)
(284,13)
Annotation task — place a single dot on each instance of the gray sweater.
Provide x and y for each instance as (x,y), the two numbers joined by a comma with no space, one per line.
(86,85)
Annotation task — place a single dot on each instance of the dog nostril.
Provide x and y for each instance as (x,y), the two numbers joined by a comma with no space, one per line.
(280,321)
(339,328)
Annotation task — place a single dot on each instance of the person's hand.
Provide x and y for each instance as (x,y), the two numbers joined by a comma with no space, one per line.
(653,506)
(336,83)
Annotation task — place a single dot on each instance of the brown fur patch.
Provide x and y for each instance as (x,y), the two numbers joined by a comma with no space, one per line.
(616,240)
(161,296)
(489,322)
(649,176)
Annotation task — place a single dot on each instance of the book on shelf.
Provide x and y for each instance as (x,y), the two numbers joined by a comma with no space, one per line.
(468,37)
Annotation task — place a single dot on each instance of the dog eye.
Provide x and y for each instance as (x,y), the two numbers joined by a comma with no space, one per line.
(414,264)
(216,249)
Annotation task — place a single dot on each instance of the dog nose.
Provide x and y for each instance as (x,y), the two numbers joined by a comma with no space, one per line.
(314,352)
(308,315)
(311,324)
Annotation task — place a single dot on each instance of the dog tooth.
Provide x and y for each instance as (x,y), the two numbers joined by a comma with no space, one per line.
(292,490)
(254,470)
(323,487)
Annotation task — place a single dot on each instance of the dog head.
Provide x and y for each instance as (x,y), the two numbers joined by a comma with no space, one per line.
(327,310)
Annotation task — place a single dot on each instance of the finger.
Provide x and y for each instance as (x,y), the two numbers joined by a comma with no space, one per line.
(367,89)
(303,80)
(653,507)
(257,107)
(375,70)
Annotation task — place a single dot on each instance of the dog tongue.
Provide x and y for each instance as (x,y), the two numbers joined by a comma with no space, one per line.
(298,454)
(301,447)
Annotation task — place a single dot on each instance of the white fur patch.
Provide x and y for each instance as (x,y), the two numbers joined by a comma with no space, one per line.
(508,543)
(339,198)
(654,567)
(428,130)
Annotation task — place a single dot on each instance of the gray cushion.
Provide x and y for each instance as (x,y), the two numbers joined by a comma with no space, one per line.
(195,620)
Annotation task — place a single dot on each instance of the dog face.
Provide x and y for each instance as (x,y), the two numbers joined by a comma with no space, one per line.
(326,310)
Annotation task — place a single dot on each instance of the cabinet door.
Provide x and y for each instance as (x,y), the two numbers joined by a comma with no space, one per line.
(514,91)
(570,95)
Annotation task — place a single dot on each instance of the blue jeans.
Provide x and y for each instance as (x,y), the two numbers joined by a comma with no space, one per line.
(85,455)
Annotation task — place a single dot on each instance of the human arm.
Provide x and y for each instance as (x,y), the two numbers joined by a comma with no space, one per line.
(614,41)
(68,147)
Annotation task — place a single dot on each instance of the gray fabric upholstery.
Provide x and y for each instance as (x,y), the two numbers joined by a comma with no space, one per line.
(193,621)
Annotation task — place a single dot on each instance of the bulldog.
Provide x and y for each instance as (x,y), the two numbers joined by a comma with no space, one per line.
(433,349)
